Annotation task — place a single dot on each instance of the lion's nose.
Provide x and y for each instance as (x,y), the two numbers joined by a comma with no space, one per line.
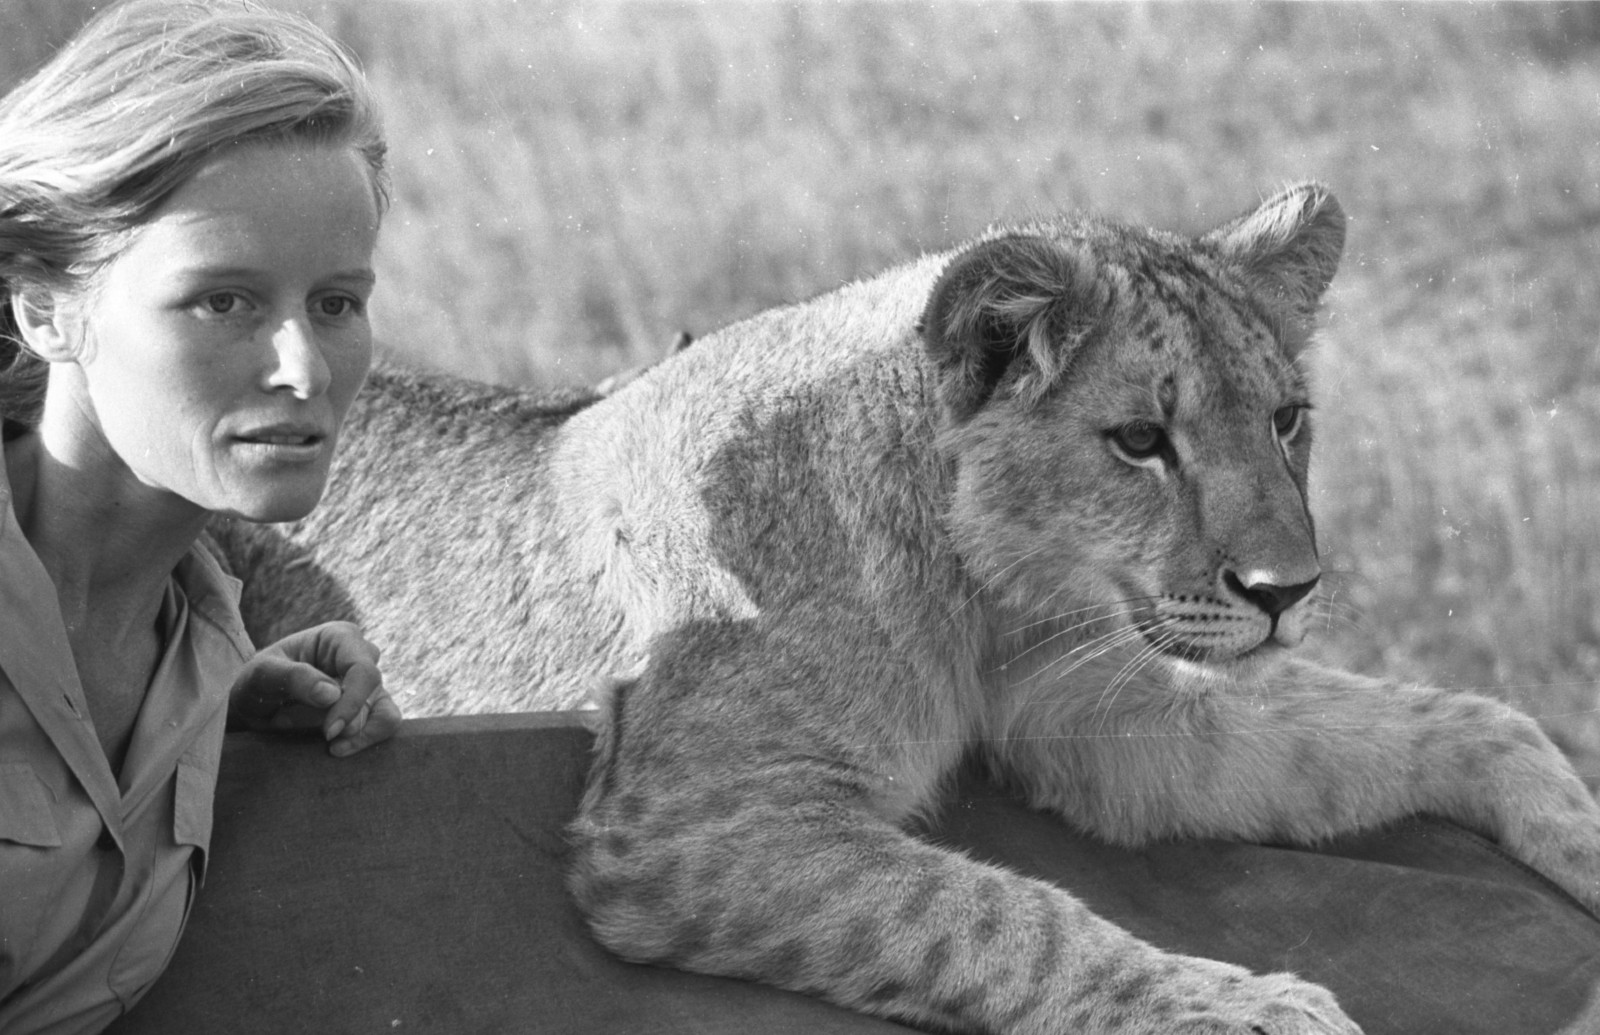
(1270,597)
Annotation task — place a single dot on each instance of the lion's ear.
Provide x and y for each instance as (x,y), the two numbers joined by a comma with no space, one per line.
(1012,300)
(1288,248)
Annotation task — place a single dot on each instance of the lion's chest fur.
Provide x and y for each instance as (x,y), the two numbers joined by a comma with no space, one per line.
(787,478)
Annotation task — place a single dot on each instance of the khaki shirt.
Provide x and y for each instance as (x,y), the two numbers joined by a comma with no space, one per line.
(97,874)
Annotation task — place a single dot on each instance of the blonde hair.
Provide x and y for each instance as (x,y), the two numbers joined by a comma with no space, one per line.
(126,113)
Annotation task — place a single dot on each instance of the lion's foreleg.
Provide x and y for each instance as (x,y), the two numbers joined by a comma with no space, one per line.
(1308,754)
(777,865)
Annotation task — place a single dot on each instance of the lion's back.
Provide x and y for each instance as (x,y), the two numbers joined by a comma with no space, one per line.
(504,547)
(430,537)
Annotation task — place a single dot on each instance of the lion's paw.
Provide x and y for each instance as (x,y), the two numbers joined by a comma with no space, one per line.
(1577,872)
(1564,845)
(1214,998)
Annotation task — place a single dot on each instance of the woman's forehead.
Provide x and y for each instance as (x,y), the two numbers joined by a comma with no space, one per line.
(264,201)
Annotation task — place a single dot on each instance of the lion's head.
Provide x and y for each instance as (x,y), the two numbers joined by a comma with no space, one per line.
(1128,415)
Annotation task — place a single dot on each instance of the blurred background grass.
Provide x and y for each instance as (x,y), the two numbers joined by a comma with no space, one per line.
(574,184)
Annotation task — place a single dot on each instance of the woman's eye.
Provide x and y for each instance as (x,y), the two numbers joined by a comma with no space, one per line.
(221,303)
(1286,420)
(337,306)
(1140,441)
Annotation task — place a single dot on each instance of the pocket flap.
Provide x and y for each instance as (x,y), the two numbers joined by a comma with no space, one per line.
(191,806)
(25,813)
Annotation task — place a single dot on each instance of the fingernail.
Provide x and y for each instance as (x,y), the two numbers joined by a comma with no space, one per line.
(333,730)
(327,694)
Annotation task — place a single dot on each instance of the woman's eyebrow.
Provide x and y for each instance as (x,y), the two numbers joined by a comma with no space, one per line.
(208,271)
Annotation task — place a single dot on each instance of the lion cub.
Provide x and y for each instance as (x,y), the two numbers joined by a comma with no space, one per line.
(1042,501)
(1037,502)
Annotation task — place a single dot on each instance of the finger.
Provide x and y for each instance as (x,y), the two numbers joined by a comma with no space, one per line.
(340,649)
(360,683)
(312,689)
(308,694)
(336,647)
(272,683)
(381,722)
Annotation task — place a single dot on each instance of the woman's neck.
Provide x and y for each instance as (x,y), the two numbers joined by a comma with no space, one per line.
(109,546)
(108,543)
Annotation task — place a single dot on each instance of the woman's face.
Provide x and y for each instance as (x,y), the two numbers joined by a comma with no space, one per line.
(223,346)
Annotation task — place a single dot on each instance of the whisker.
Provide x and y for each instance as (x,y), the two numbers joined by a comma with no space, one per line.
(1096,648)
(1058,616)
(1126,674)
(1129,602)
(1332,614)
(1069,630)
(995,578)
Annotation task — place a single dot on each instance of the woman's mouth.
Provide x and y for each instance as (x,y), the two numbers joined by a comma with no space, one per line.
(285,444)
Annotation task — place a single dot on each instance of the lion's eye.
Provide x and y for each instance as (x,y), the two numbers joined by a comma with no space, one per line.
(1286,420)
(1140,441)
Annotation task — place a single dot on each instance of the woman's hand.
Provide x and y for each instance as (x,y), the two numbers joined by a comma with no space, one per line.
(325,676)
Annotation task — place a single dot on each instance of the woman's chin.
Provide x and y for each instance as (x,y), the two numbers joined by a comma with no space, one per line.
(284,503)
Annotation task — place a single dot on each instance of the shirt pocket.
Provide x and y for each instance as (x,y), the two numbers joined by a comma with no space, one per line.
(31,872)
(26,817)
(194,791)
(169,894)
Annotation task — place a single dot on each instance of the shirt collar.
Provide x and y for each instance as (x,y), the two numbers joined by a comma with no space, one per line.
(206,644)
(36,658)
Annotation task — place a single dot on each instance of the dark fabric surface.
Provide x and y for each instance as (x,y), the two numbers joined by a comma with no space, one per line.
(418,887)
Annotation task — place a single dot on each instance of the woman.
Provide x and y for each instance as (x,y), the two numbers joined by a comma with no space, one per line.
(189,201)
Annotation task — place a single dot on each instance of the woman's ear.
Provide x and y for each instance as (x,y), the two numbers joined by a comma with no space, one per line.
(45,322)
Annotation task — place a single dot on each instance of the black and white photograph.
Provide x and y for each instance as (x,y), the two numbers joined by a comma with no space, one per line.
(661,516)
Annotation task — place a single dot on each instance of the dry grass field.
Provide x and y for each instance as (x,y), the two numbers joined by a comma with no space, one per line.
(574,184)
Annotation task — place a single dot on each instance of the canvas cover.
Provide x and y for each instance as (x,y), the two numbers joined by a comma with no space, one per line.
(418,887)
